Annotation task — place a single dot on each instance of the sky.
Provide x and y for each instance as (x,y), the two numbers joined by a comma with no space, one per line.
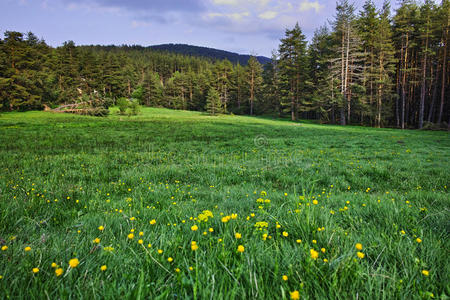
(243,26)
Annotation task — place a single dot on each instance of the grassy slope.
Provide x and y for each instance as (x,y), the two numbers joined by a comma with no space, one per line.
(62,176)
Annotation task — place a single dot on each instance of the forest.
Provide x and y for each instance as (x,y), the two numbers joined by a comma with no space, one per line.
(373,67)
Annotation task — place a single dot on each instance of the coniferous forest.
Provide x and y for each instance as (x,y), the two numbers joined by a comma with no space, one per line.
(373,67)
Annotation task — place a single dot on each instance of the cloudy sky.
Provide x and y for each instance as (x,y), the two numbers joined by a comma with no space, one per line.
(243,26)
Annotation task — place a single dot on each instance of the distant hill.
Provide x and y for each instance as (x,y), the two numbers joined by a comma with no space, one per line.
(208,52)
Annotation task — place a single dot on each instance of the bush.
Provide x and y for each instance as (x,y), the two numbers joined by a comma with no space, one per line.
(134,107)
(123,104)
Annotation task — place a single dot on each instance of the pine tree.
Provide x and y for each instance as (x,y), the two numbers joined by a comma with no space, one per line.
(254,80)
(293,67)
(347,66)
(213,102)
(385,62)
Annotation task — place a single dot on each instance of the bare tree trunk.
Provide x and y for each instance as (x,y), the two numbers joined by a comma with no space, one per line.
(444,65)
(434,95)
(424,81)
(397,108)
(347,54)
(405,60)
(252,86)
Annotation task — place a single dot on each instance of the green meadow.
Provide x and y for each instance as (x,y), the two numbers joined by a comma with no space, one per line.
(182,205)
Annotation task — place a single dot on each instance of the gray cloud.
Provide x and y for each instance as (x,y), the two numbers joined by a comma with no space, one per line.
(148,5)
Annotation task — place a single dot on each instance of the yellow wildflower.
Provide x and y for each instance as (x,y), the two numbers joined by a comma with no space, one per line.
(240,248)
(295,295)
(74,262)
(314,254)
(58,272)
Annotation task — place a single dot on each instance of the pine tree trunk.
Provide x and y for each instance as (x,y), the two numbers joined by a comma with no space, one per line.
(252,86)
(423,87)
(404,62)
(434,95)
(444,65)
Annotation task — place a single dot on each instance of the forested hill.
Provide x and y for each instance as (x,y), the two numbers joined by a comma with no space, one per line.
(215,54)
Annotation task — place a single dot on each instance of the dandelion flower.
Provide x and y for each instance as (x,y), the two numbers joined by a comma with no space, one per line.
(27,249)
(170,259)
(177,270)
(74,262)
(160,251)
(360,254)
(238,235)
(285,234)
(284,277)
(35,270)
(211,229)
(425,272)
(359,246)
(295,295)
(101,228)
(298,241)
(54,265)
(96,240)
(140,242)
(314,254)
(4,248)
(194,228)
(58,272)
(240,249)
(315,202)
(194,246)
(418,240)
(323,250)
(103,268)
(153,222)
(131,236)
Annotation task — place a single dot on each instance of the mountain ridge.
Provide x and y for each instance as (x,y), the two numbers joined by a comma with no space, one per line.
(213,53)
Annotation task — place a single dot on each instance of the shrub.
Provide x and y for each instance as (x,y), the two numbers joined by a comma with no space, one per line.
(123,104)
(134,107)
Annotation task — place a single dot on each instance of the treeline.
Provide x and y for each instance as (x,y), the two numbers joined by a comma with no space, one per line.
(367,67)
(215,54)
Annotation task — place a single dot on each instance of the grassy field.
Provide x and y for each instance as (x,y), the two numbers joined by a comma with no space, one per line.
(165,200)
